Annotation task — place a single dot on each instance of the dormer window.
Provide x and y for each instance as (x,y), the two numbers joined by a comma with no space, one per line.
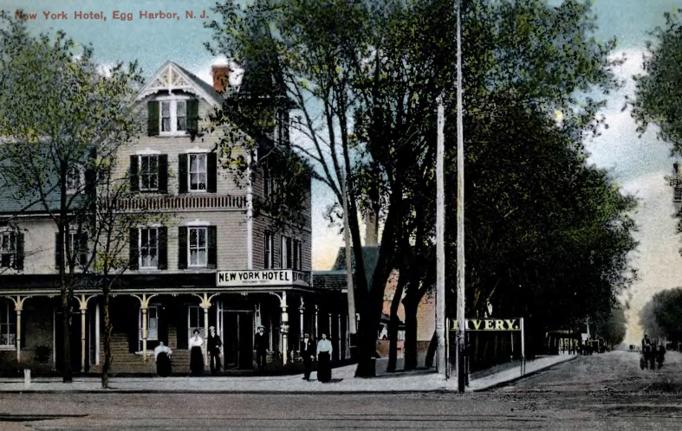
(172,116)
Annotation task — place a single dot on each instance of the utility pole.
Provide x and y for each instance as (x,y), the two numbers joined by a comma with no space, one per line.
(349,261)
(461,332)
(440,242)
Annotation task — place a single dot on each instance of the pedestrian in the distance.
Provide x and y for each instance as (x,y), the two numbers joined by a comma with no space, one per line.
(196,357)
(213,344)
(308,354)
(261,346)
(324,355)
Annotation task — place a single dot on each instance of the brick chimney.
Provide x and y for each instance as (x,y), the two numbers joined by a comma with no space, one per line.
(221,76)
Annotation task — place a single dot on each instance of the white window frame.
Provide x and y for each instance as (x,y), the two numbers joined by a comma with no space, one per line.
(173,115)
(198,246)
(285,251)
(75,248)
(74,183)
(152,314)
(189,172)
(8,247)
(199,316)
(8,327)
(147,229)
(296,261)
(141,173)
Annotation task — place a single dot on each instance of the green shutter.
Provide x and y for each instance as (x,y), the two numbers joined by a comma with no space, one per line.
(19,258)
(133,249)
(212,260)
(211,172)
(182,173)
(163,248)
(193,116)
(182,247)
(163,173)
(134,171)
(153,118)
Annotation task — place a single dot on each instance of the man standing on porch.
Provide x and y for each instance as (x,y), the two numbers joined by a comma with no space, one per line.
(214,344)
(261,346)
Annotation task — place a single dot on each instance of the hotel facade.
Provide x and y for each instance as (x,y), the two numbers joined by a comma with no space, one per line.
(211,261)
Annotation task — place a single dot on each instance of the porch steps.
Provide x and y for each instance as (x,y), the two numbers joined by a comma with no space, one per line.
(125,362)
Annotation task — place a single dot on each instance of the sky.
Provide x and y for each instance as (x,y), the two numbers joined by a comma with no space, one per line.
(636,163)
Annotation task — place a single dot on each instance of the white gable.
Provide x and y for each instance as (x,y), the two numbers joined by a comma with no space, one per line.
(171,77)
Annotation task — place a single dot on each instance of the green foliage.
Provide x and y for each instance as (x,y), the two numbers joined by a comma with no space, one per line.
(662,316)
(612,327)
(659,89)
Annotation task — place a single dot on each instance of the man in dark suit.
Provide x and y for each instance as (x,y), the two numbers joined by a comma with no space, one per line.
(213,345)
(261,346)
(307,353)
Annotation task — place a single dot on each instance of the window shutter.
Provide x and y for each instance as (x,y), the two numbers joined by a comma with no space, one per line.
(182,173)
(163,247)
(192,116)
(182,247)
(19,258)
(83,249)
(134,179)
(153,118)
(267,251)
(289,253)
(163,173)
(212,261)
(211,172)
(59,249)
(133,248)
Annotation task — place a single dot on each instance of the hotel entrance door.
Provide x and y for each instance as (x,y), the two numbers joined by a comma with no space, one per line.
(238,339)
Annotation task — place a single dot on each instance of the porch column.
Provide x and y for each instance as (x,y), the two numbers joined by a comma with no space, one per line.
(97,334)
(338,332)
(301,315)
(18,308)
(145,332)
(144,306)
(347,353)
(205,305)
(83,307)
(329,335)
(285,328)
(317,322)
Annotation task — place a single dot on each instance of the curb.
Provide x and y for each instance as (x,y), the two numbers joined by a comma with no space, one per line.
(236,392)
(529,374)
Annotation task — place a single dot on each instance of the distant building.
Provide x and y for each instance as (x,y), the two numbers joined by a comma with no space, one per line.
(213,262)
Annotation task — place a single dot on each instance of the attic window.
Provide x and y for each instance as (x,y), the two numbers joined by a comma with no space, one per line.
(172,116)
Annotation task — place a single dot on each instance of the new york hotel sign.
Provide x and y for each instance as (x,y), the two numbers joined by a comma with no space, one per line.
(262,278)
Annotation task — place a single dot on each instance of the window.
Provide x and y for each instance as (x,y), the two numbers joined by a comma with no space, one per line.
(149,173)
(197,172)
(152,324)
(149,248)
(286,255)
(678,194)
(8,249)
(8,326)
(173,116)
(74,179)
(297,255)
(269,261)
(195,320)
(269,185)
(198,250)
(78,243)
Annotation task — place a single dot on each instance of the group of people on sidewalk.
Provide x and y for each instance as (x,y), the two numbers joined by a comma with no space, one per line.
(311,352)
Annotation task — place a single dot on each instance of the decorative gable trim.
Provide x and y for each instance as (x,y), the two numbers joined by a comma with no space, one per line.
(171,77)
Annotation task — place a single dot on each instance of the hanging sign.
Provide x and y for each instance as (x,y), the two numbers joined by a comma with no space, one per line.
(487,325)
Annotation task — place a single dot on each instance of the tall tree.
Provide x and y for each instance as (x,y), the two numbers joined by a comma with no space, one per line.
(63,120)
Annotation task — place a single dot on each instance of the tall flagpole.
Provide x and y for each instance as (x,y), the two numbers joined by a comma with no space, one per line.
(440,242)
(460,213)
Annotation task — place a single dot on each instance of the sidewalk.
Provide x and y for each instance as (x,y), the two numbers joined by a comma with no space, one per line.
(343,382)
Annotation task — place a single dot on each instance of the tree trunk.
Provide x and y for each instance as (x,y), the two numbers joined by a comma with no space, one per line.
(393,326)
(106,365)
(431,351)
(410,333)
